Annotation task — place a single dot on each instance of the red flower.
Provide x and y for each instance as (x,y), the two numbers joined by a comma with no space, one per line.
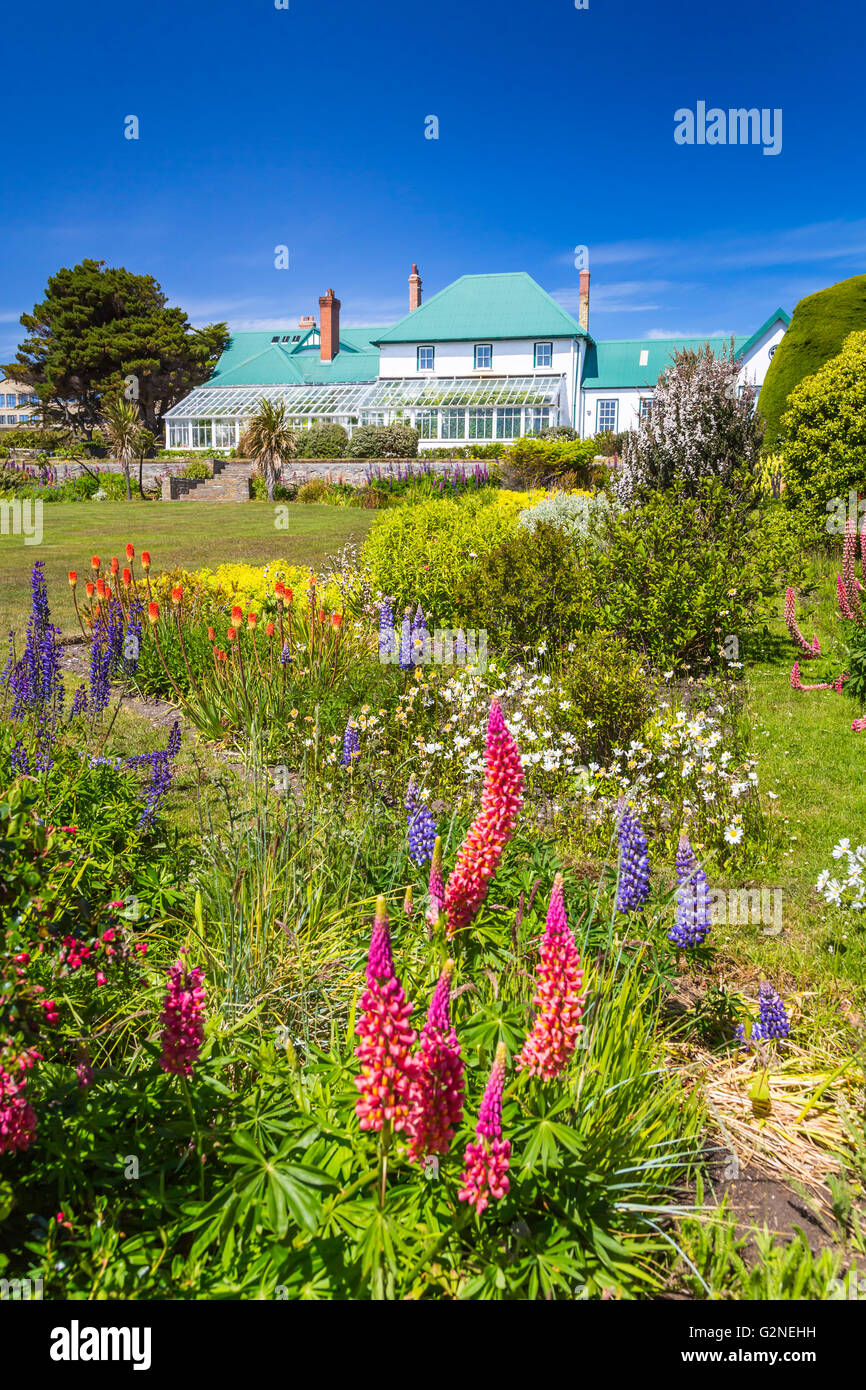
(211,635)
(438,1095)
(115,564)
(73,579)
(176,594)
(94,561)
(130,552)
(100,587)
(237,616)
(336,619)
(232,634)
(485,1173)
(558,999)
(252,619)
(89,589)
(153,612)
(127,578)
(145,559)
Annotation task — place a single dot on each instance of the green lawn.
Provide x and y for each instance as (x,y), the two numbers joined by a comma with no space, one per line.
(192,534)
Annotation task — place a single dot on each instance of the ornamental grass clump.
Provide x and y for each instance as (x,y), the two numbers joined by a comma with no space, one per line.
(558,1000)
(479,856)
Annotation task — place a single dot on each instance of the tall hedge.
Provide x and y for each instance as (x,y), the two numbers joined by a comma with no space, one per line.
(824,434)
(820,325)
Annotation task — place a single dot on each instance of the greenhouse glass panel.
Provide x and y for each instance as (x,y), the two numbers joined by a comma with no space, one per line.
(452,424)
(481,424)
(508,422)
(426,422)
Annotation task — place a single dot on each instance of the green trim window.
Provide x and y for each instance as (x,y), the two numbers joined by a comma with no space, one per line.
(483,357)
(427,423)
(453,424)
(426,359)
(606,416)
(543,355)
(508,422)
(481,424)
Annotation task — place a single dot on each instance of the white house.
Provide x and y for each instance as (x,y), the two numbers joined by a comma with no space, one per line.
(488,358)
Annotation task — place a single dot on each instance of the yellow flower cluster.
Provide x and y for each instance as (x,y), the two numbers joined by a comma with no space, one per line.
(256,582)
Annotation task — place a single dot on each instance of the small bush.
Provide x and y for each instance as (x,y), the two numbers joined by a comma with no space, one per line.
(607,443)
(542,460)
(323,441)
(609,692)
(531,587)
(578,514)
(383,442)
(198,468)
(312,491)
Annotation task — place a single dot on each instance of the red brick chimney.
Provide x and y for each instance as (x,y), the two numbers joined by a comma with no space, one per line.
(583,312)
(329,333)
(307,322)
(414,289)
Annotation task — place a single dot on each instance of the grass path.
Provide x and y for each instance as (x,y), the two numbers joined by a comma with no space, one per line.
(189,534)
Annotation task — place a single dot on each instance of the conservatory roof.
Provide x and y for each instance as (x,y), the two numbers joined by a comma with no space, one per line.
(406,393)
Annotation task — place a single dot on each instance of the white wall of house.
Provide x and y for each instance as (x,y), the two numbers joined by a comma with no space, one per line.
(18,404)
(627,409)
(754,367)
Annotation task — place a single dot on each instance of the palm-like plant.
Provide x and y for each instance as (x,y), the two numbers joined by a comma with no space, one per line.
(123,428)
(270,441)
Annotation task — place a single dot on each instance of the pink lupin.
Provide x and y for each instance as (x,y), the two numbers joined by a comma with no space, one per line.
(485,1173)
(438,1096)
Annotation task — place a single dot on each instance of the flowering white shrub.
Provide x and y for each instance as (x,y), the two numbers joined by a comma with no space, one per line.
(850,891)
(579,514)
(699,426)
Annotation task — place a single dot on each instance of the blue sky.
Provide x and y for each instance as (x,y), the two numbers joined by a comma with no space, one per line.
(305,127)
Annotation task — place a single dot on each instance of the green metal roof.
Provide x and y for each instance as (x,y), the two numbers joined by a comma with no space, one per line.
(616,364)
(254,359)
(481,308)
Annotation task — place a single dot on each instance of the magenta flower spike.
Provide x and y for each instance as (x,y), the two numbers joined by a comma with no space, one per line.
(809,652)
(388,1070)
(436,886)
(182,1020)
(438,1096)
(485,1172)
(844,604)
(558,1000)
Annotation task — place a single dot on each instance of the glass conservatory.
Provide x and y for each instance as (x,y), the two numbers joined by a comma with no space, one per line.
(444,410)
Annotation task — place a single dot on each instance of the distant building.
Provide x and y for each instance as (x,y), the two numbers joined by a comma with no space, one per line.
(489,358)
(18,405)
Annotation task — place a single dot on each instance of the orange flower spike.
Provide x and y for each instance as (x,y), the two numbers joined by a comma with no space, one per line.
(100,587)
(321,615)
(127,578)
(232,634)
(115,564)
(280,590)
(252,619)
(89,589)
(211,635)
(289,595)
(237,616)
(153,612)
(145,559)
(176,594)
(269,629)
(94,562)
(73,579)
(130,552)
(336,620)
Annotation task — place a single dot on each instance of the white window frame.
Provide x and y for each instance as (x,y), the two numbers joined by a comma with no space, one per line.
(606,401)
(426,347)
(542,366)
(488,347)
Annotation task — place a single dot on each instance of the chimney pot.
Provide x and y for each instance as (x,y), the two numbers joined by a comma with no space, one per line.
(583,312)
(329,333)
(414,290)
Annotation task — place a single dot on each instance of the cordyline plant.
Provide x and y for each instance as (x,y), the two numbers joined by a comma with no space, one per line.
(701,425)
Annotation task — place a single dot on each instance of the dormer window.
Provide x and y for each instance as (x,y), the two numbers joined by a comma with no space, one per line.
(426,359)
(276,340)
(483,357)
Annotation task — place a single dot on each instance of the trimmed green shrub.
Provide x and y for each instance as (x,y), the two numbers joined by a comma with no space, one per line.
(420,554)
(824,432)
(383,442)
(820,324)
(322,441)
(540,460)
